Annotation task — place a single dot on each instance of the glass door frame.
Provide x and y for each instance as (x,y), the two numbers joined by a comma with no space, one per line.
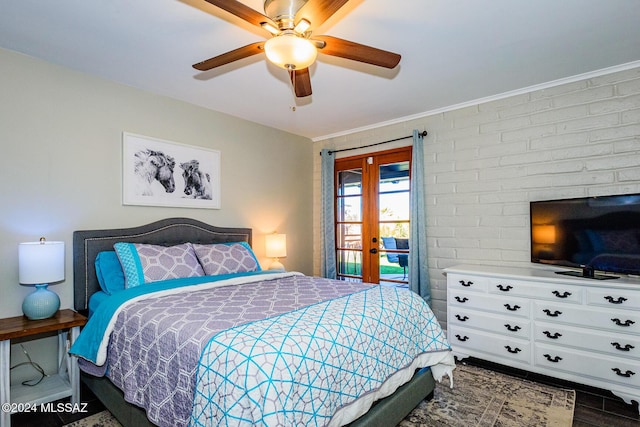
(368,249)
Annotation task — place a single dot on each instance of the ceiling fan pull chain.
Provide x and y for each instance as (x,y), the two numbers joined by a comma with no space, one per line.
(293,85)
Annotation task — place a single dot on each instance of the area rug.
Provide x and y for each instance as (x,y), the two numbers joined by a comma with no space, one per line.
(484,398)
(480,398)
(101,419)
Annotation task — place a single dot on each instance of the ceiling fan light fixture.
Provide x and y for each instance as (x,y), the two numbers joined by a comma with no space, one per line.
(290,51)
(269,27)
(302,26)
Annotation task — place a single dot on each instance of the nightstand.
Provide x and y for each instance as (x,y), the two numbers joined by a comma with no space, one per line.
(56,386)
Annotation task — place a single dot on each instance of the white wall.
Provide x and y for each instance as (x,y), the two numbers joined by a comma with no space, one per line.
(60,134)
(485,162)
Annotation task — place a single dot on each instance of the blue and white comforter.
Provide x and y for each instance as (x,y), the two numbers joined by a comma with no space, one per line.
(200,355)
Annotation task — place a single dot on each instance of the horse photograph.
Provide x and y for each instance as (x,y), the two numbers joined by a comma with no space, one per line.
(150,176)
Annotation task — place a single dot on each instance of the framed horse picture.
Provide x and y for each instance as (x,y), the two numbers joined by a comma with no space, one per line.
(165,173)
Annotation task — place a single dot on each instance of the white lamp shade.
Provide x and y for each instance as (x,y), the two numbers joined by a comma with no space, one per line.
(276,245)
(40,262)
(290,51)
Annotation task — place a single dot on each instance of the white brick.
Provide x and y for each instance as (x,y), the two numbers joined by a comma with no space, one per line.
(584,179)
(631,116)
(504,125)
(615,105)
(613,163)
(559,114)
(549,168)
(525,109)
(526,158)
(627,145)
(529,132)
(628,88)
(591,122)
(586,151)
(584,96)
(564,140)
(502,149)
(612,133)
(629,174)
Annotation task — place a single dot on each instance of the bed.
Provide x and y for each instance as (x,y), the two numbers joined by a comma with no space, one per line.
(217,396)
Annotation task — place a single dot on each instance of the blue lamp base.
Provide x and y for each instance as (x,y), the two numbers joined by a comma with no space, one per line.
(41,303)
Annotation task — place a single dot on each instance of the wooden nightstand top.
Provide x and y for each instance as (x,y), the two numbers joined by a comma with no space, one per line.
(20,326)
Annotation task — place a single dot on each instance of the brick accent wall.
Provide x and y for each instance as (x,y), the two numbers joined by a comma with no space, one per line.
(485,162)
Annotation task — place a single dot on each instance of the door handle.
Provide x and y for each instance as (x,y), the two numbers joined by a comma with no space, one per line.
(373,250)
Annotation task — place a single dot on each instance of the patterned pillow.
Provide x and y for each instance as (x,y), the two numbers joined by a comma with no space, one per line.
(143,263)
(226,258)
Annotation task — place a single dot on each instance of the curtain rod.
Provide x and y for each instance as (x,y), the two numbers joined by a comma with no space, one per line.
(423,134)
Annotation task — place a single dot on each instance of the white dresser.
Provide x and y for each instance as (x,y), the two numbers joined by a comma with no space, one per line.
(582,330)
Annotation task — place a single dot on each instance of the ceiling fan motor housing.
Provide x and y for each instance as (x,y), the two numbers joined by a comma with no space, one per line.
(283,12)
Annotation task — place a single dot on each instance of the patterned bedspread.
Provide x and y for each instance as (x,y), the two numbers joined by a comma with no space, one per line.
(201,354)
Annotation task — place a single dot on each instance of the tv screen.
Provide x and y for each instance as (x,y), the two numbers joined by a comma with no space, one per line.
(591,233)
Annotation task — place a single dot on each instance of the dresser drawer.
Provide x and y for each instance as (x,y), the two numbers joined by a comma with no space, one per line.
(469,340)
(618,345)
(619,321)
(507,325)
(614,298)
(537,290)
(600,367)
(504,305)
(465,282)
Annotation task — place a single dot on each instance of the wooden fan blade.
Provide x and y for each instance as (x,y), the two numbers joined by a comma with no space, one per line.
(358,52)
(234,55)
(242,11)
(301,80)
(318,11)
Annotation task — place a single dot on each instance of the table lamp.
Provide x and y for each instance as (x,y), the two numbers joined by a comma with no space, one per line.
(40,263)
(276,248)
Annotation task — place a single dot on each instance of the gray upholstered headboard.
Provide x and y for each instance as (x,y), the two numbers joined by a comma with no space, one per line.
(172,231)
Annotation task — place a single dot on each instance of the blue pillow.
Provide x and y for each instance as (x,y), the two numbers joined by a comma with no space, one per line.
(109,272)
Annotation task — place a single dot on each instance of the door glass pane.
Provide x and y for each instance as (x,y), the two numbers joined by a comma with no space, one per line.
(393,204)
(350,182)
(349,224)
(350,208)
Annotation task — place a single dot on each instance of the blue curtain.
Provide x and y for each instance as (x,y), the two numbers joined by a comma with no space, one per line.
(418,269)
(328,253)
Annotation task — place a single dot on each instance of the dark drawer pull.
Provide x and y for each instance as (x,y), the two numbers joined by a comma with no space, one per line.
(512,308)
(555,359)
(618,300)
(466,284)
(553,336)
(561,295)
(504,288)
(512,328)
(512,350)
(462,338)
(462,318)
(621,348)
(550,314)
(621,323)
(627,374)
(462,300)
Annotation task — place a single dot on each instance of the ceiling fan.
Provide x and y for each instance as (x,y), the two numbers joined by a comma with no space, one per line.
(292,47)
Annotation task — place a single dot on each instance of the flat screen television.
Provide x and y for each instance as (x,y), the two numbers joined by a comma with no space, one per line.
(591,233)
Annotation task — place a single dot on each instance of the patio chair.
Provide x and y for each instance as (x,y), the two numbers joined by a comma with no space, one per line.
(396,258)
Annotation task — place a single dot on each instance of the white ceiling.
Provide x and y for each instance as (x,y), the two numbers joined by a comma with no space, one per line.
(453,51)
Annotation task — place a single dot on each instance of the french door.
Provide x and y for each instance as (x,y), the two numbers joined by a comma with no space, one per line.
(372,217)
